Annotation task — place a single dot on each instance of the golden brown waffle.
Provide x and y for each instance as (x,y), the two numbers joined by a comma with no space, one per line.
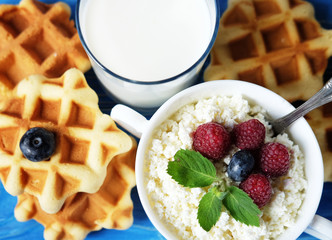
(274,43)
(321,122)
(86,139)
(37,38)
(110,207)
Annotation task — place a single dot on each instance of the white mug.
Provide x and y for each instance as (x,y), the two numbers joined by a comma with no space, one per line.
(276,106)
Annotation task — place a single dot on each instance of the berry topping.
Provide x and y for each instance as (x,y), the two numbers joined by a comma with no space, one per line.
(240,166)
(249,135)
(212,140)
(274,159)
(259,189)
(37,144)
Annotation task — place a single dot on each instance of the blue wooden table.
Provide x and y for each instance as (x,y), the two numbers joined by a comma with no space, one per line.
(142,227)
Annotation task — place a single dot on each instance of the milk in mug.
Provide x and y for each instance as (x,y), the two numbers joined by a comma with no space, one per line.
(147,40)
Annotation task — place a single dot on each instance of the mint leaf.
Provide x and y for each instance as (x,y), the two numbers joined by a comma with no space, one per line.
(209,208)
(241,206)
(191,169)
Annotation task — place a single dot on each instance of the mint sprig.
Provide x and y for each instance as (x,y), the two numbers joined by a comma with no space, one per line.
(191,169)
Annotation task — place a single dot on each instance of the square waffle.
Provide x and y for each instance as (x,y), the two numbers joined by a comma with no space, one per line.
(86,139)
(274,43)
(111,207)
(37,38)
(321,122)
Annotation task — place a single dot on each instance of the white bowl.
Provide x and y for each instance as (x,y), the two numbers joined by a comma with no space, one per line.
(300,132)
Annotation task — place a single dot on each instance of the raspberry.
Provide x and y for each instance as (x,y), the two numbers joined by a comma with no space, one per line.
(212,140)
(258,187)
(249,135)
(274,159)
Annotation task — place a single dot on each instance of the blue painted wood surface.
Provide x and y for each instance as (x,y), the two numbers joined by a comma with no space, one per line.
(142,227)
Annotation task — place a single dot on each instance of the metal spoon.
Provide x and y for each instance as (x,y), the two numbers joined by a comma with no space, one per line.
(320,98)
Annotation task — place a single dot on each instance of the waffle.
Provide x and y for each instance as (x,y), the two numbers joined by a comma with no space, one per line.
(37,38)
(274,43)
(321,122)
(110,207)
(86,139)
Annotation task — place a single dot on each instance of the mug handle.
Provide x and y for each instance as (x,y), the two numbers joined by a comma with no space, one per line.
(135,123)
(129,119)
(320,228)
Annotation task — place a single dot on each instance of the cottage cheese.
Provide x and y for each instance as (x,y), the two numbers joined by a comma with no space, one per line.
(177,205)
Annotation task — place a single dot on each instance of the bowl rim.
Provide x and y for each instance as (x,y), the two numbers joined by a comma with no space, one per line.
(191,94)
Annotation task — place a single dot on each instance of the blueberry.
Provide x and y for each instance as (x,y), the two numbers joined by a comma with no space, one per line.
(37,144)
(240,166)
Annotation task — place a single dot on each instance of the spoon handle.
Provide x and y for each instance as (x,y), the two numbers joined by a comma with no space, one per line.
(322,97)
